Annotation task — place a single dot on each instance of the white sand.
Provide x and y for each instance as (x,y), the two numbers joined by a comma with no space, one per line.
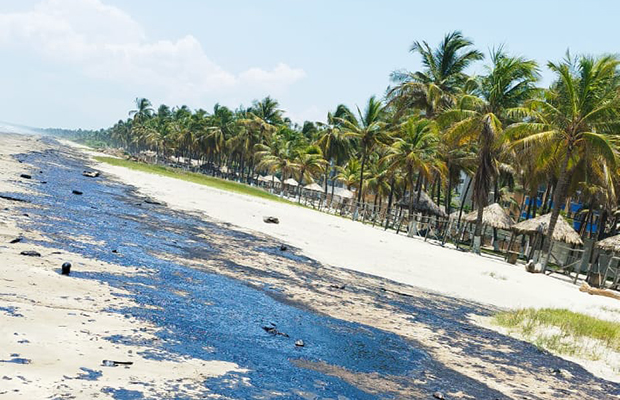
(343,243)
(59,323)
(328,239)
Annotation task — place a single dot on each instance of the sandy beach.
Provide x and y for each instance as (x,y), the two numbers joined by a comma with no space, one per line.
(351,245)
(188,287)
(53,330)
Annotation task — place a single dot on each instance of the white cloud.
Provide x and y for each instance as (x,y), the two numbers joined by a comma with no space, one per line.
(312,113)
(104,42)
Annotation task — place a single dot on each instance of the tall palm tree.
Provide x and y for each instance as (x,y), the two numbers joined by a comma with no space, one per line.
(309,162)
(368,129)
(480,117)
(276,155)
(436,86)
(268,110)
(349,173)
(143,110)
(414,152)
(334,141)
(579,112)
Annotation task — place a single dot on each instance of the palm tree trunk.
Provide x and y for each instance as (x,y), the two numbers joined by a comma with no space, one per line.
(558,199)
(301,178)
(389,206)
(529,208)
(601,225)
(448,196)
(359,189)
(331,200)
(478,231)
(463,199)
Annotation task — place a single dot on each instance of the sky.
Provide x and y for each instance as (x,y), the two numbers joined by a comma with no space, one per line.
(81,63)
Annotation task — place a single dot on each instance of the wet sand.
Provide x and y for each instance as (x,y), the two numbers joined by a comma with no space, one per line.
(351,245)
(55,330)
(365,336)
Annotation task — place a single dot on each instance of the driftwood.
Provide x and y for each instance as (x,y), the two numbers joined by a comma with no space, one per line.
(599,292)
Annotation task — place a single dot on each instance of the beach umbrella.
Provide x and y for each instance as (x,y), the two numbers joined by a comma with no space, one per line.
(268,178)
(314,187)
(610,244)
(494,216)
(425,205)
(563,231)
(343,193)
(291,182)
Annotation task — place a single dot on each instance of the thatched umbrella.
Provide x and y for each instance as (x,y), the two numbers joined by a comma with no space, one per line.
(291,182)
(610,244)
(563,231)
(494,216)
(269,179)
(314,187)
(344,193)
(425,205)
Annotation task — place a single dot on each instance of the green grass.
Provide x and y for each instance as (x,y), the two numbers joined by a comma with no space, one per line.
(573,327)
(194,177)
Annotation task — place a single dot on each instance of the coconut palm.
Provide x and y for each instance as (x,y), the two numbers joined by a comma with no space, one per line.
(276,156)
(334,142)
(480,117)
(310,163)
(143,110)
(436,86)
(414,153)
(577,118)
(268,110)
(368,128)
(349,173)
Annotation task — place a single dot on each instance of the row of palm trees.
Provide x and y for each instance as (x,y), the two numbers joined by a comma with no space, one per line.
(432,126)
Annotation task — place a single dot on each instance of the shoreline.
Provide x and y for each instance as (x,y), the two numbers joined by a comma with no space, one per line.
(438,325)
(54,329)
(352,245)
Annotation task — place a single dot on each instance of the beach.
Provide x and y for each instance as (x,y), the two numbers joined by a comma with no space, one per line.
(351,245)
(53,331)
(209,252)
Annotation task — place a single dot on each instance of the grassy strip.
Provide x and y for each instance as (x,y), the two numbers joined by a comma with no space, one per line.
(194,177)
(531,322)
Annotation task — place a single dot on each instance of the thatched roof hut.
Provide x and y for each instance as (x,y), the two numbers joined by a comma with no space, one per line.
(563,231)
(494,216)
(291,182)
(610,244)
(314,187)
(425,205)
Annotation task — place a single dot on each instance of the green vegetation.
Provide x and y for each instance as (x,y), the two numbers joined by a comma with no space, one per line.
(434,126)
(562,331)
(201,179)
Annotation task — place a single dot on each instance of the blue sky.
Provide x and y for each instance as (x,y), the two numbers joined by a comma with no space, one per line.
(80,63)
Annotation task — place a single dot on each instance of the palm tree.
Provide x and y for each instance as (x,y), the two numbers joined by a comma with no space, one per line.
(143,110)
(349,173)
(334,142)
(309,162)
(268,110)
(413,153)
(480,117)
(368,129)
(435,88)
(574,119)
(276,155)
